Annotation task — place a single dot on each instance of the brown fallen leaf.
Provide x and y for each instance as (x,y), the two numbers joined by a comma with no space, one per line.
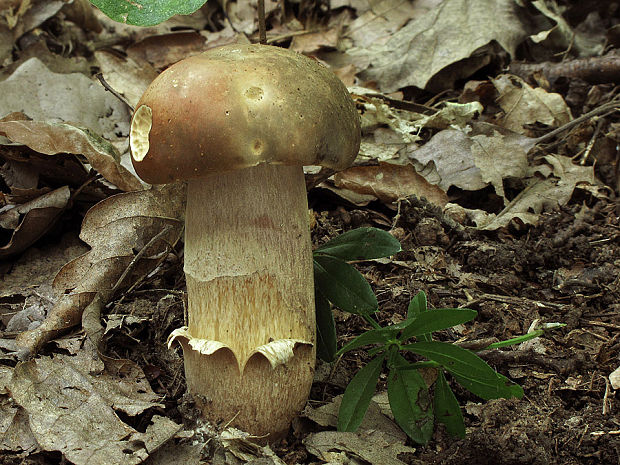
(74,411)
(59,138)
(389,182)
(523,104)
(120,230)
(163,50)
(369,446)
(424,47)
(31,220)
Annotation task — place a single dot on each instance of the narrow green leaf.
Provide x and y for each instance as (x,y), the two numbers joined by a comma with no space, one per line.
(468,369)
(447,409)
(326,343)
(516,340)
(500,387)
(146,12)
(410,402)
(358,394)
(343,285)
(417,305)
(436,320)
(453,358)
(361,244)
(373,336)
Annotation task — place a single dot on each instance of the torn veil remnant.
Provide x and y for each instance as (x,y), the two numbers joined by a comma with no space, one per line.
(238,123)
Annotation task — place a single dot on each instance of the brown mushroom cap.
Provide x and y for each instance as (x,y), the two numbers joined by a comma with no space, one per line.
(238,106)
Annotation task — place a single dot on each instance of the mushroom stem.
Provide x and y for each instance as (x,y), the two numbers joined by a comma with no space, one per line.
(249,346)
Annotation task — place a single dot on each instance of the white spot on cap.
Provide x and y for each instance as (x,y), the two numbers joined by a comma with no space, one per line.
(141,125)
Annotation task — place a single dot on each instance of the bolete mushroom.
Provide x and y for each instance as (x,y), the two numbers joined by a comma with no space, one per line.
(238,123)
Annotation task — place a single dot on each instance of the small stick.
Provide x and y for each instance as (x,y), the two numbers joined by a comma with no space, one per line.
(109,88)
(604,109)
(138,256)
(262,31)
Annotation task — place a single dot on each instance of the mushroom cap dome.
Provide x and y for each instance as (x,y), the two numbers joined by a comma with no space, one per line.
(237,106)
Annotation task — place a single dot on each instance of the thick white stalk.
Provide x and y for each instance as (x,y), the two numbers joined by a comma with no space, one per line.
(249,346)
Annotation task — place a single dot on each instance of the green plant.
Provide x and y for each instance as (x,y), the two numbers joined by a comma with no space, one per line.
(414,408)
(146,12)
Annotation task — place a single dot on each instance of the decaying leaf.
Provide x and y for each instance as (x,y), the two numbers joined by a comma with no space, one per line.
(389,183)
(63,98)
(523,104)
(374,419)
(563,35)
(427,45)
(117,229)
(31,220)
(130,77)
(58,138)
(367,446)
(562,176)
(73,411)
(377,24)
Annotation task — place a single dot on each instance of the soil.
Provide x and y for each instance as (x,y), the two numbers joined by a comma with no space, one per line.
(565,270)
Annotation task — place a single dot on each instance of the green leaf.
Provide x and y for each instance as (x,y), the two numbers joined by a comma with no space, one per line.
(146,12)
(343,285)
(358,394)
(436,320)
(327,344)
(373,336)
(490,389)
(516,340)
(410,402)
(447,409)
(417,305)
(468,369)
(361,244)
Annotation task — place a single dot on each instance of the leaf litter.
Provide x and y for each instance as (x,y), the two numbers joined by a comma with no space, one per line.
(492,215)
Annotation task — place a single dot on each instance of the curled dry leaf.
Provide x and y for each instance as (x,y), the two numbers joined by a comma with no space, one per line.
(31,220)
(51,97)
(428,44)
(57,138)
(389,182)
(75,412)
(523,104)
(117,229)
(550,186)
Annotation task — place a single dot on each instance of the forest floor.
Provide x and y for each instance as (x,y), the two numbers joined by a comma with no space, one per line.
(527,233)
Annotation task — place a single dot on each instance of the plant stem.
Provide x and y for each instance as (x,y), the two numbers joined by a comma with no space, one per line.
(417,365)
(372,322)
(262,31)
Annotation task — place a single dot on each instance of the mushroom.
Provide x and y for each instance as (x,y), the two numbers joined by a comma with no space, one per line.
(238,123)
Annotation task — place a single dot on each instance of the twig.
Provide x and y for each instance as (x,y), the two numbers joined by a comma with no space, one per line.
(109,88)
(603,110)
(262,31)
(138,256)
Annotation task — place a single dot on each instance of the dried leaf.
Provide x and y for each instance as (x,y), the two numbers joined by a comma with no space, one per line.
(163,50)
(370,446)
(116,229)
(542,194)
(59,138)
(523,104)
(379,22)
(73,411)
(427,45)
(30,221)
(389,182)
(46,96)
(130,77)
